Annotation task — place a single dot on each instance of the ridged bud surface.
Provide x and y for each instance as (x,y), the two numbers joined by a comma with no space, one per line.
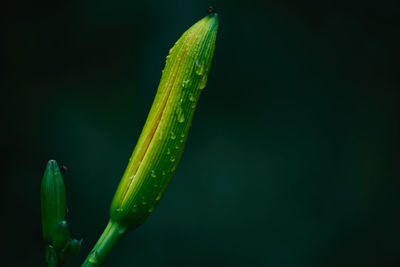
(52,198)
(162,140)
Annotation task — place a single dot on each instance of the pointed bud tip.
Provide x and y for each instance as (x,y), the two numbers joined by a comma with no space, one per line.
(51,163)
(212,16)
(52,198)
(211,20)
(52,166)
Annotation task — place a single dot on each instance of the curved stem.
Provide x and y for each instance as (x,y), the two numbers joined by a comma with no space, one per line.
(104,245)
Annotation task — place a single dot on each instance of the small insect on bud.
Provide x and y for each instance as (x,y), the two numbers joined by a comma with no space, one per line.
(52,198)
(63,168)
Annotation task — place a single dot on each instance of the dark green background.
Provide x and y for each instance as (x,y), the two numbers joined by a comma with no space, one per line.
(293,157)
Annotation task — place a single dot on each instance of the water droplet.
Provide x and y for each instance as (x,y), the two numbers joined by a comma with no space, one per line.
(194,105)
(173,136)
(163,173)
(173,168)
(172,159)
(186,83)
(176,147)
(160,134)
(93,258)
(135,208)
(181,115)
(203,82)
(121,230)
(192,98)
(199,68)
(144,202)
(155,185)
(151,209)
(153,173)
(181,140)
(168,151)
(181,118)
(182,135)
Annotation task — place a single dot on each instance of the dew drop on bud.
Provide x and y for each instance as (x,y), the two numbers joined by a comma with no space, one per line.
(192,98)
(199,68)
(186,83)
(134,208)
(181,117)
(203,82)
(180,114)
(151,209)
(173,136)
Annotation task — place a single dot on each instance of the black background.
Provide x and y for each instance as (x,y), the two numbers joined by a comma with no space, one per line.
(292,159)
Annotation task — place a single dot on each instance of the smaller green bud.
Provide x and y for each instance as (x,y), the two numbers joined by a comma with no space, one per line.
(61,235)
(70,249)
(74,247)
(51,256)
(53,202)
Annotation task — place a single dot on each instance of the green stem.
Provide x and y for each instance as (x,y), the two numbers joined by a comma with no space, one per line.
(104,245)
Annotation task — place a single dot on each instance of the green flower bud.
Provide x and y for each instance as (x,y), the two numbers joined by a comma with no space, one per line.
(52,197)
(71,249)
(162,140)
(74,247)
(61,235)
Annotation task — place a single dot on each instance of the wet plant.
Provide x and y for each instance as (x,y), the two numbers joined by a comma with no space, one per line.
(154,159)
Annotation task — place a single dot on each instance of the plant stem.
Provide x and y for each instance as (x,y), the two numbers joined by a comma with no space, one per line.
(104,245)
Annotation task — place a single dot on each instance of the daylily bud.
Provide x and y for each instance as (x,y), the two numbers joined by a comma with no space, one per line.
(74,247)
(61,235)
(52,197)
(162,140)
